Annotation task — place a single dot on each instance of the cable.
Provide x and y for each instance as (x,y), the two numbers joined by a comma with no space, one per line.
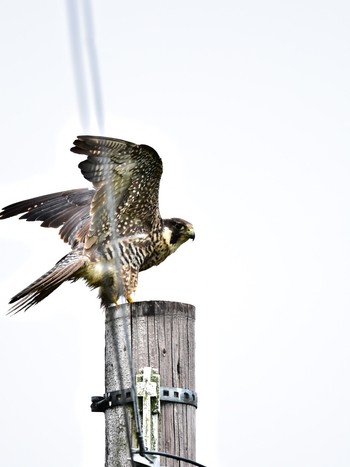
(171,456)
(82,94)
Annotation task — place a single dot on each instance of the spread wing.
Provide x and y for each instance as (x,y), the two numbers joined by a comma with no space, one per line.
(66,209)
(126,178)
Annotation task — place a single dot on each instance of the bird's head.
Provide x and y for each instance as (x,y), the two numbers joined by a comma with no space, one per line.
(176,232)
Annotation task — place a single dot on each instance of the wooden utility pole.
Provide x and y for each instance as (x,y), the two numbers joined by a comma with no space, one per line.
(162,337)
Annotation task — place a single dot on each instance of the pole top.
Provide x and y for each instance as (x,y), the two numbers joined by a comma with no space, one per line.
(152,308)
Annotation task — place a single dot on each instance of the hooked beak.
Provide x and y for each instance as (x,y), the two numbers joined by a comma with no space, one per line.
(191,234)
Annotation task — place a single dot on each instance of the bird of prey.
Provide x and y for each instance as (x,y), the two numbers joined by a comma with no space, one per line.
(114,230)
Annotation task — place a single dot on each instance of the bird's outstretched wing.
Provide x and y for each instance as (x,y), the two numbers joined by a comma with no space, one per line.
(66,209)
(126,178)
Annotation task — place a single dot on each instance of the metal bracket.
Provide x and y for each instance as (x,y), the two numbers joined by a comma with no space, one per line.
(121,397)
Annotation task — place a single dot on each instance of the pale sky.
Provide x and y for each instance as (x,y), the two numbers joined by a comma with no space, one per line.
(247,103)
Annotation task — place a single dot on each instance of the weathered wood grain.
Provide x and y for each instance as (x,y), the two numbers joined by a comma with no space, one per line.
(163,337)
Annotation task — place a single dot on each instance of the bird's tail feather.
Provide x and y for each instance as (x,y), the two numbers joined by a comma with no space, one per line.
(65,269)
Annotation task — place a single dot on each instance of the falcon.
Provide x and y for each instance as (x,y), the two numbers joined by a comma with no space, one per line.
(114,229)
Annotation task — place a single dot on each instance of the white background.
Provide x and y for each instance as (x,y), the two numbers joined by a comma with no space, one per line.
(247,102)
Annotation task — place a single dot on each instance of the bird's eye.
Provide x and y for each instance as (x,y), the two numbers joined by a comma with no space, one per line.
(179,226)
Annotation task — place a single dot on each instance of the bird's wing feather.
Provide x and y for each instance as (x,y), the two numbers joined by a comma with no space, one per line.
(69,209)
(63,270)
(124,174)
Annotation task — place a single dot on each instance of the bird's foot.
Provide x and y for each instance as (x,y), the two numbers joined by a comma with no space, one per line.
(123,300)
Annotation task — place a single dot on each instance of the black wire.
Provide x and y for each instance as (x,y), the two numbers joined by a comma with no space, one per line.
(171,456)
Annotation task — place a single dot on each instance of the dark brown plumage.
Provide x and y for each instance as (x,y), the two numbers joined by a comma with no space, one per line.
(115,230)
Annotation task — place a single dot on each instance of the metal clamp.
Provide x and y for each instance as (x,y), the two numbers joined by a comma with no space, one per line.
(111,399)
(124,396)
(178,395)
